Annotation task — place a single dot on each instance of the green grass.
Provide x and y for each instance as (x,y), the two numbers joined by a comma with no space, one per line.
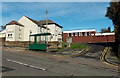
(77,45)
(119,58)
(74,45)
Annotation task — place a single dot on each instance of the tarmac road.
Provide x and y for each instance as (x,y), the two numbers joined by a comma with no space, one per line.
(94,51)
(14,65)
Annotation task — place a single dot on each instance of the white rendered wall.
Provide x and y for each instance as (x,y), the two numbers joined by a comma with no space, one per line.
(55,31)
(19,31)
(10,29)
(15,31)
(2,35)
(28,26)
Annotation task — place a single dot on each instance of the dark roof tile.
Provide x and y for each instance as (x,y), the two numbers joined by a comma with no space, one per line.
(15,23)
(43,22)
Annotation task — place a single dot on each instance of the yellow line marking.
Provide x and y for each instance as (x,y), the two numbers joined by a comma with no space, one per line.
(102,57)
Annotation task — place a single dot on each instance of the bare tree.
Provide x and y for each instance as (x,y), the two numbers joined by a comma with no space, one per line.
(105,30)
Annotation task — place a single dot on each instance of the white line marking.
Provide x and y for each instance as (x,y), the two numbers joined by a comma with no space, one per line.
(28,65)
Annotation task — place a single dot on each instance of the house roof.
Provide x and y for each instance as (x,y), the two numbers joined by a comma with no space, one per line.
(40,23)
(43,22)
(14,23)
(36,22)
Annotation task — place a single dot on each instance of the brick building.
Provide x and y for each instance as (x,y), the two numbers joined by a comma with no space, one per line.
(87,36)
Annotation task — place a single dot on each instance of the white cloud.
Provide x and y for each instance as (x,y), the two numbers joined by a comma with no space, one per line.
(78,10)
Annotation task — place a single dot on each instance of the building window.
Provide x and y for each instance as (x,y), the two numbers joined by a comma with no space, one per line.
(88,33)
(19,36)
(83,33)
(30,32)
(10,35)
(19,28)
(78,34)
(69,34)
(74,34)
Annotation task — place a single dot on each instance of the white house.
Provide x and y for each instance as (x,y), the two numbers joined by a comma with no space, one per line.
(53,28)
(21,29)
(2,34)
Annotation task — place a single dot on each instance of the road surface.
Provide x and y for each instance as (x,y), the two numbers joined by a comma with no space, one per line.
(19,64)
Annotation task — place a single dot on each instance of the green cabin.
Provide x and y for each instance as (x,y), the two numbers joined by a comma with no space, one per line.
(38,45)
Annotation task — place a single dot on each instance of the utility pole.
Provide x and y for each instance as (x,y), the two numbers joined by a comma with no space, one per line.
(47,19)
(47,25)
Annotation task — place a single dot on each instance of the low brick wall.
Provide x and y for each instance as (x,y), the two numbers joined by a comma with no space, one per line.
(2,39)
(17,43)
(25,44)
(53,44)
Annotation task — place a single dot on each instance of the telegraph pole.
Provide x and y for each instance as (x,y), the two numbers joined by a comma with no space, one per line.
(47,24)
(47,19)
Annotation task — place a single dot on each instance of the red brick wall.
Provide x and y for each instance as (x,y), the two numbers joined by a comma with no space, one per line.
(109,38)
(65,36)
(87,39)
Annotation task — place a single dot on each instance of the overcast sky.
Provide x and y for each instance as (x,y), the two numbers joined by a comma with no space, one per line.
(70,15)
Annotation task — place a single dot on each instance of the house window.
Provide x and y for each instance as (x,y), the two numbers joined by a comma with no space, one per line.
(30,32)
(10,35)
(69,34)
(19,28)
(88,33)
(19,36)
(83,33)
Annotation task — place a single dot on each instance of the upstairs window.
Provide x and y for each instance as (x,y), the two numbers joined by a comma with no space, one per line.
(30,32)
(19,28)
(19,36)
